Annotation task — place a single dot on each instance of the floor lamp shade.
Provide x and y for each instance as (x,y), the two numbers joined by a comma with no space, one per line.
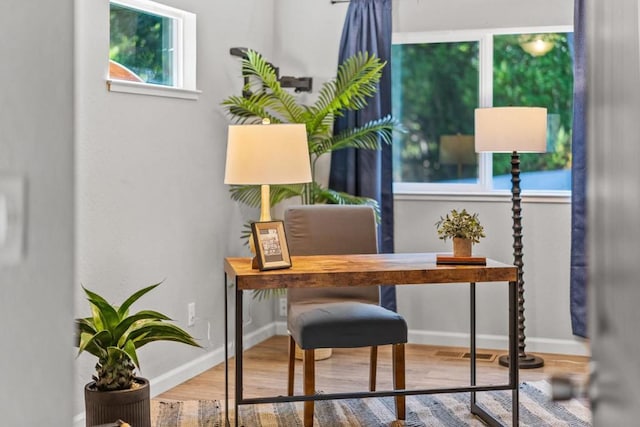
(508,129)
(267,154)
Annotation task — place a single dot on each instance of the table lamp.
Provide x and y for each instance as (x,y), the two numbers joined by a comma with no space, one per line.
(266,154)
(514,130)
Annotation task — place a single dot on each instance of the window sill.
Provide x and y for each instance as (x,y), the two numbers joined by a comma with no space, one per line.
(560,197)
(153,90)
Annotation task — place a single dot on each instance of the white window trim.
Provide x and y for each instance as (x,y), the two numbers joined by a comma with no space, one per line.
(141,88)
(184,56)
(495,196)
(482,188)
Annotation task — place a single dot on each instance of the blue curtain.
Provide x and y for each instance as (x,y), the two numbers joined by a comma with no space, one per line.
(367,28)
(578,296)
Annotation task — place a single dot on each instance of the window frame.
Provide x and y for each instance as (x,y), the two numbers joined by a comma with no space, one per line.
(484,38)
(184,55)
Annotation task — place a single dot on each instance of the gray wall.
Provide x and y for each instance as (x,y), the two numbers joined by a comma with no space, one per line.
(149,194)
(36,144)
(150,197)
(151,204)
(546,221)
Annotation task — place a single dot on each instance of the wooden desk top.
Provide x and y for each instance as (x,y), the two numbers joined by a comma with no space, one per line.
(364,270)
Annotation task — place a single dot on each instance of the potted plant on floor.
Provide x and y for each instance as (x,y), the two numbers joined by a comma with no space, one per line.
(113,335)
(463,228)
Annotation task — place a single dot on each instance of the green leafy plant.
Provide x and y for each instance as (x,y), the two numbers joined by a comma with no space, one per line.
(460,224)
(113,336)
(265,98)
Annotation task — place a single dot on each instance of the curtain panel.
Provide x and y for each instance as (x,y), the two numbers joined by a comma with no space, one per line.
(578,290)
(368,173)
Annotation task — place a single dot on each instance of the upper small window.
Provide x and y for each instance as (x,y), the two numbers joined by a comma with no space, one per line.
(152,44)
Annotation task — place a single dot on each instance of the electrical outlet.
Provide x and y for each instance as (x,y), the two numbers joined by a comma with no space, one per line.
(191,314)
(283,306)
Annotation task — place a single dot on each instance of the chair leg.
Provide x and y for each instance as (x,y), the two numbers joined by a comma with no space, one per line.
(373,368)
(292,365)
(309,385)
(399,379)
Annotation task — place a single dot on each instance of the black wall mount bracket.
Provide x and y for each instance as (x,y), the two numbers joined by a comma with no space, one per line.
(299,84)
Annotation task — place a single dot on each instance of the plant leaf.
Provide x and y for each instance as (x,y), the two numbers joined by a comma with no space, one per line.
(124,308)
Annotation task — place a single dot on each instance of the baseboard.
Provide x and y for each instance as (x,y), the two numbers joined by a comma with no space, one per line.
(575,347)
(534,344)
(176,376)
(281,328)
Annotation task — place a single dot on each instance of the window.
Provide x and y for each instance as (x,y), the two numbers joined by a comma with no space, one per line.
(151,49)
(439,79)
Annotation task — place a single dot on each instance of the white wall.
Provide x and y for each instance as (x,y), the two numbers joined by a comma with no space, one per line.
(151,204)
(36,144)
(309,47)
(150,200)
(546,241)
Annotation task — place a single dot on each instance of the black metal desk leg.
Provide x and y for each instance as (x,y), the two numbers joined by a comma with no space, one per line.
(514,368)
(472,330)
(238,344)
(476,409)
(226,353)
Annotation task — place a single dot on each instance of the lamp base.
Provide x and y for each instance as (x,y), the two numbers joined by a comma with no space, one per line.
(529,361)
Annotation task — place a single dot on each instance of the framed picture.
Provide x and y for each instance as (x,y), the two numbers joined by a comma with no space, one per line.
(270,242)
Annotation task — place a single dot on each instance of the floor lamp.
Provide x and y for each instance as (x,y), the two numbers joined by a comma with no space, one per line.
(513,130)
(266,154)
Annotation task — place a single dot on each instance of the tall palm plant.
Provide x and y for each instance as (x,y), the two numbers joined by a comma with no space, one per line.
(264,98)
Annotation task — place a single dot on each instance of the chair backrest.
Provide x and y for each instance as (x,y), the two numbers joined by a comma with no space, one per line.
(331,230)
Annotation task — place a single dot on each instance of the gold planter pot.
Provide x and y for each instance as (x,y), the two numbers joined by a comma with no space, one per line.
(461,247)
(320,353)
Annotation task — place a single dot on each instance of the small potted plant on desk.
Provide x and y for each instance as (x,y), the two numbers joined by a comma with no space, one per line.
(113,335)
(463,228)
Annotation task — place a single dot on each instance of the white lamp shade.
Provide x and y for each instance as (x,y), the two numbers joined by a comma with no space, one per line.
(508,129)
(267,154)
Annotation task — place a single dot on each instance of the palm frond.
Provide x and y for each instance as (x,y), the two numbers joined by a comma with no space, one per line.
(356,81)
(283,102)
(282,192)
(245,234)
(247,194)
(371,136)
(262,294)
(251,196)
(251,110)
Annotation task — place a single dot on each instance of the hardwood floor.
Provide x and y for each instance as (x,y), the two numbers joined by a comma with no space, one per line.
(265,370)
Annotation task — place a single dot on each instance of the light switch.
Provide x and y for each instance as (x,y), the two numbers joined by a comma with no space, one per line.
(12,219)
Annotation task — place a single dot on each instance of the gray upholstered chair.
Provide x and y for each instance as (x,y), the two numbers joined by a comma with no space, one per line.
(342,317)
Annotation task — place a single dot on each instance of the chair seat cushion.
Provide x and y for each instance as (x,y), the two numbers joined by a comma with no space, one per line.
(345,325)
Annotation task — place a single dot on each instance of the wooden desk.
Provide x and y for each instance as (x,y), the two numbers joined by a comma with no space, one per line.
(373,270)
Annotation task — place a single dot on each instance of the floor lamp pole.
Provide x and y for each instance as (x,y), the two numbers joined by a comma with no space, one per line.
(525,361)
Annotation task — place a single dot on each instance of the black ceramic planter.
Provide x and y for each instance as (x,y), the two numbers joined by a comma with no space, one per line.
(132,406)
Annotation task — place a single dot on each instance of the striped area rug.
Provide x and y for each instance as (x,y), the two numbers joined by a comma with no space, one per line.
(449,410)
